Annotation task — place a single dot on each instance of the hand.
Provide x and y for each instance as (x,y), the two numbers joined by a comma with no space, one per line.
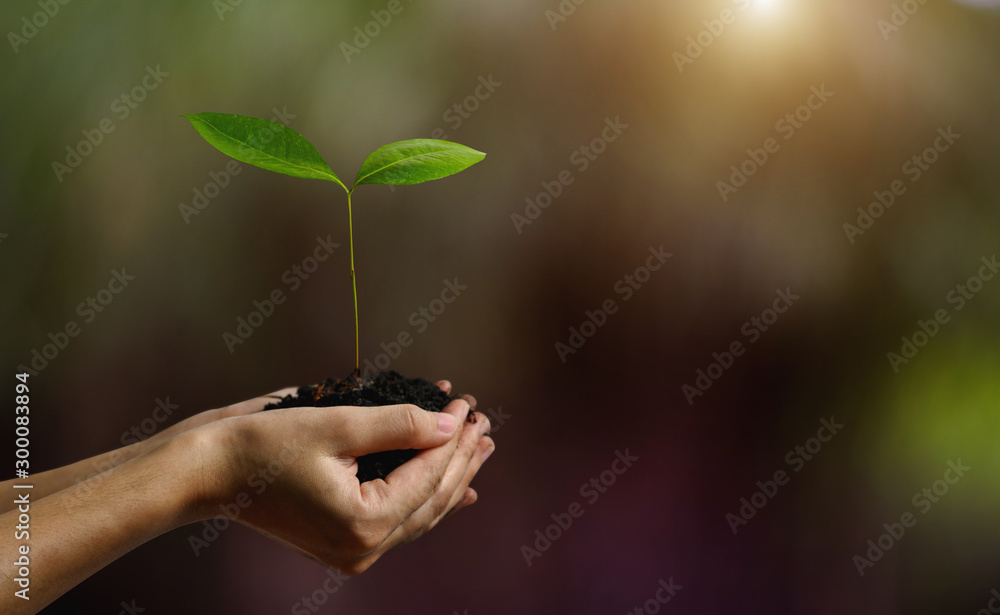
(315,503)
(242,408)
(311,498)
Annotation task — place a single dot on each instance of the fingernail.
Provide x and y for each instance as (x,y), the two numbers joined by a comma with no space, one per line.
(484,425)
(486,454)
(446,422)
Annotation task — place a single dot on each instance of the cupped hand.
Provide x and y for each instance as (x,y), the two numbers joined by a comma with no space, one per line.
(306,493)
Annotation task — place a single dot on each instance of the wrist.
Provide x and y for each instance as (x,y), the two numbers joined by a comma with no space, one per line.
(204,471)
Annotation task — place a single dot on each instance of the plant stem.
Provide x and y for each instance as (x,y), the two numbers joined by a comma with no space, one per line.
(354,283)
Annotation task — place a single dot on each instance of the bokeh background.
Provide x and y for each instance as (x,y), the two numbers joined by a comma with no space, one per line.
(560,423)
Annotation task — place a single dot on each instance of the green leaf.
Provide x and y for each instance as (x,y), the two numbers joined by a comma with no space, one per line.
(416,161)
(263,143)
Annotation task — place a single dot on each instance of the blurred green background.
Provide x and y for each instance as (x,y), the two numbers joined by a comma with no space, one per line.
(556,83)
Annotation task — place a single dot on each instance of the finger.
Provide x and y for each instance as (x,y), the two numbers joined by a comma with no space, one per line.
(468,499)
(256,404)
(445,386)
(463,496)
(469,452)
(463,467)
(413,483)
(388,428)
(243,408)
(470,399)
(485,449)
(461,474)
(471,497)
(421,526)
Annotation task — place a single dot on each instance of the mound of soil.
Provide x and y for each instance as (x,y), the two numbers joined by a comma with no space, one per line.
(383,389)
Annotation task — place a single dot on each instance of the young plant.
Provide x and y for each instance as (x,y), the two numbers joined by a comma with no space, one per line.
(275,147)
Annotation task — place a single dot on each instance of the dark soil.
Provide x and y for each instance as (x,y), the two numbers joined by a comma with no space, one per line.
(384,389)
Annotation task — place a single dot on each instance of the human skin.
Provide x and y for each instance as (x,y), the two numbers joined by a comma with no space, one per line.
(315,504)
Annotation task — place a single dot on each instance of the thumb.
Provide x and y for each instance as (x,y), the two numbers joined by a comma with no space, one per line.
(388,428)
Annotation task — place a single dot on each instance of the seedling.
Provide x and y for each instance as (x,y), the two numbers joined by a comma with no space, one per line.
(275,147)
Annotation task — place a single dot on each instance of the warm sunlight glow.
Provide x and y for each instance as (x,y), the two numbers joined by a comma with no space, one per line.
(767,5)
